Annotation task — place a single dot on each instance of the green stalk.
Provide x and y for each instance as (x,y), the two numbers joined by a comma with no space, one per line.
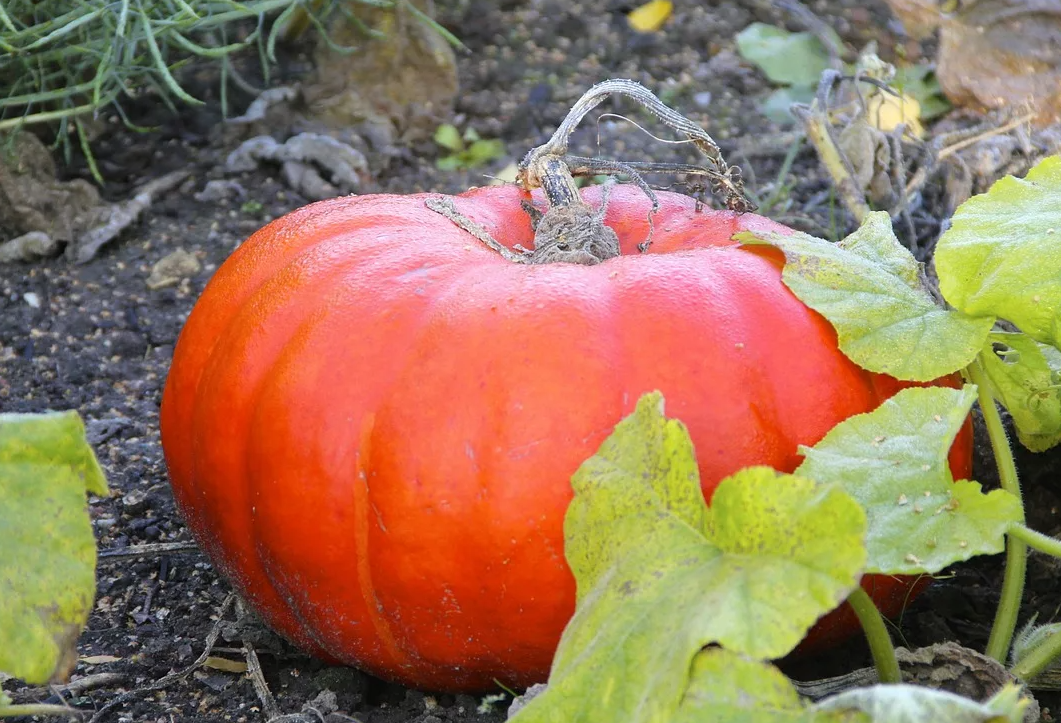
(880,642)
(1036,540)
(1039,659)
(1016,551)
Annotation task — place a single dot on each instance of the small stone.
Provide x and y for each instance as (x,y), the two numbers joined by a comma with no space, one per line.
(34,300)
(702,100)
(220,189)
(521,701)
(104,523)
(172,268)
(134,502)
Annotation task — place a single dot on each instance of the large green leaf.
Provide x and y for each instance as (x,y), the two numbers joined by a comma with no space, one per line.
(1002,254)
(47,569)
(725,687)
(915,704)
(660,575)
(869,288)
(785,58)
(1026,377)
(893,460)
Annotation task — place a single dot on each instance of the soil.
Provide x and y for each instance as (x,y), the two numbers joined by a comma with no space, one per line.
(97,339)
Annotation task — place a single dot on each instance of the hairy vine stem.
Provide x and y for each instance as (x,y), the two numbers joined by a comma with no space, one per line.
(1016,550)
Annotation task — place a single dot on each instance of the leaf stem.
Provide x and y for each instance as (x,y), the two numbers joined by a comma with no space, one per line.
(1039,659)
(880,642)
(1036,540)
(1016,551)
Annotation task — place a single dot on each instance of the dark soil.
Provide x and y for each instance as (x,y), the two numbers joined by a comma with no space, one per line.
(100,341)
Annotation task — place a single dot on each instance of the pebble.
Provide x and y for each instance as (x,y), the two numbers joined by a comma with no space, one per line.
(702,100)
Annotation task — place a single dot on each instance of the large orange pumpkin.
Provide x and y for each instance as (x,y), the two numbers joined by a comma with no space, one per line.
(372,419)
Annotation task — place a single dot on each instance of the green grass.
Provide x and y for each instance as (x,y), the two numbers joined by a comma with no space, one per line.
(64,60)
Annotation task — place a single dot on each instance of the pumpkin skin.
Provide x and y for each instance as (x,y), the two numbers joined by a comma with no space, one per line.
(371,419)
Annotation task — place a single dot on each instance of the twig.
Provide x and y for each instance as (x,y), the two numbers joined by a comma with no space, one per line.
(167,680)
(150,550)
(90,682)
(1015,123)
(921,175)
(254,671)
(121,216)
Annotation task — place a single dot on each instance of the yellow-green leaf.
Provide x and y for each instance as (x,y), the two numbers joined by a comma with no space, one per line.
(870,289)
(725,687)
(1002,254)
(1026,377)
(893,460)
(47,570)
(660,575)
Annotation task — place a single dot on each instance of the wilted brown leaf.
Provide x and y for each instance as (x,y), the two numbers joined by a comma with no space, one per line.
(919,17)
(405,77)
(1003,54)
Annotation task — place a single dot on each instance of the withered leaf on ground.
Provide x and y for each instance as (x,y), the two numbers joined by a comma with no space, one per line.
(1003,54)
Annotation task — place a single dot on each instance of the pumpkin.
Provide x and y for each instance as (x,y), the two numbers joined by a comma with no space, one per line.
(372,419)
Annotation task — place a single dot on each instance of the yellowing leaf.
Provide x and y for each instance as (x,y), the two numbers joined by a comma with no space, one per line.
(661,575)
(47,570)
(869,288)
(886,111)
(893,460)
(651,16)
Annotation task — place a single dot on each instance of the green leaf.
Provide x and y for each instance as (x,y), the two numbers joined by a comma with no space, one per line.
(481,152)
(915,704)
(785,58)
(869,288)
(725,687)
(1029,638)
(449,163)
(1026,377)
(920,82)
(777,104)
(660,575)
(893,460)
(47,571)
(447,136)
(1002,254)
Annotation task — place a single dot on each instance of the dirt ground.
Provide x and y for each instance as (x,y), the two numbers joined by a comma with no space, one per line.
(97,339)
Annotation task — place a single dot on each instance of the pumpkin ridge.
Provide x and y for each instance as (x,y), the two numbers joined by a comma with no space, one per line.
(380,623)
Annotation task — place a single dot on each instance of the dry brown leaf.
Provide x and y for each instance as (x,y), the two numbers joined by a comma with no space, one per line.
(919,17)
(406,78)
(1003,54)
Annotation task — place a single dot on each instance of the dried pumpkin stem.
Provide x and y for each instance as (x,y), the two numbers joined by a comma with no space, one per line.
(571,231)
(536,165)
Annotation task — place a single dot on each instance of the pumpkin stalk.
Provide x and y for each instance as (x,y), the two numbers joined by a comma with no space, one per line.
(571,231)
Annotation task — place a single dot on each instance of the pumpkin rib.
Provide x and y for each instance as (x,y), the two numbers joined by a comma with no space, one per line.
(342,292)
